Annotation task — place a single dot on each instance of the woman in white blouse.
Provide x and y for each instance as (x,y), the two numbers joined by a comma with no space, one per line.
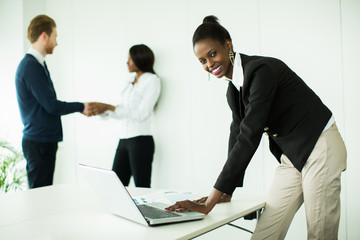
(138,96)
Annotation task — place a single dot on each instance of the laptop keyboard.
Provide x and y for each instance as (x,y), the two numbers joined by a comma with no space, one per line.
(155,213)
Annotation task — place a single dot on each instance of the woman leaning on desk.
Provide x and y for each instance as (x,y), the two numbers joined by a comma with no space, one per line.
(138,97)
(265,95)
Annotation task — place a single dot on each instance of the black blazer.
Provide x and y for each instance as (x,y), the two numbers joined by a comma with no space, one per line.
(273,99)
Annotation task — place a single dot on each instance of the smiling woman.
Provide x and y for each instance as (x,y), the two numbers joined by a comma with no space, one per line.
(213,47)
(265,95)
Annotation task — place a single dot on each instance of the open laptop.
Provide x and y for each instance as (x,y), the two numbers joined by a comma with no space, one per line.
(118,200)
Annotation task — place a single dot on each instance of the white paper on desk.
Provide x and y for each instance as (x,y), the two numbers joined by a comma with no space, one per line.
(168,197)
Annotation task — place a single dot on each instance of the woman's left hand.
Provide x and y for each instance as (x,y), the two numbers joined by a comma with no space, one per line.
(188,205)
(198,206)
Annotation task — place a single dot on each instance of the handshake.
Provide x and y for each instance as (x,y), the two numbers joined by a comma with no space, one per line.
(96,108)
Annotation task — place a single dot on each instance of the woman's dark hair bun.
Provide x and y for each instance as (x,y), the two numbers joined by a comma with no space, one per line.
(211,19)
(211,28)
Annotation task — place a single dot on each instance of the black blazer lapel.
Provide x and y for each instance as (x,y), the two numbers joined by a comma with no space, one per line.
(232,97)
(241,104)
(235,100)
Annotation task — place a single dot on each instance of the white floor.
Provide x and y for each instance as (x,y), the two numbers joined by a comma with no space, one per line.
(231,233)
(297,229)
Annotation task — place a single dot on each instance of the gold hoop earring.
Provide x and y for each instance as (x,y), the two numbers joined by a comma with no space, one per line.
(231,57)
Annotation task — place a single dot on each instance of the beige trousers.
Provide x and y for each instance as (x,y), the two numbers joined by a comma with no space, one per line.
(317,186)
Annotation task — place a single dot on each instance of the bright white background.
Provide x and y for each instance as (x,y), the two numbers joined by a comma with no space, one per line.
(318,39)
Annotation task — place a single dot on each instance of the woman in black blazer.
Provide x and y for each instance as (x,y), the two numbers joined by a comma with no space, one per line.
(266,96)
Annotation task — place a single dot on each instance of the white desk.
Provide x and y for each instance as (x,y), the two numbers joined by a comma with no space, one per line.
(74,212)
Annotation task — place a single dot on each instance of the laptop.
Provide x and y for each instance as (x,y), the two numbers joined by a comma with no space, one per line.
(118,200)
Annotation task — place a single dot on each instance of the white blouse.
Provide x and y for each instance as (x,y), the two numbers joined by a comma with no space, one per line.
(136,106)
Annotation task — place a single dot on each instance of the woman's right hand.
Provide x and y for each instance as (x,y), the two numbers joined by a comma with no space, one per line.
(223,198)
(201,200)
(98,108)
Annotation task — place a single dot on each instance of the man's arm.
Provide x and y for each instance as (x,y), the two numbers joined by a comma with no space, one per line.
(41,87)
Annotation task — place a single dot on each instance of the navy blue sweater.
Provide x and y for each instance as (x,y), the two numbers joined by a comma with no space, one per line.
(39,108)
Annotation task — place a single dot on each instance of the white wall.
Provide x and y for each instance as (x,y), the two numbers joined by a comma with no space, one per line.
(318,39)
(350,19)
(11,50)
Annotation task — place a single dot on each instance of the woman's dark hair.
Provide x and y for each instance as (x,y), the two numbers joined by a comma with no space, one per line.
(211,28)
(143,57)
